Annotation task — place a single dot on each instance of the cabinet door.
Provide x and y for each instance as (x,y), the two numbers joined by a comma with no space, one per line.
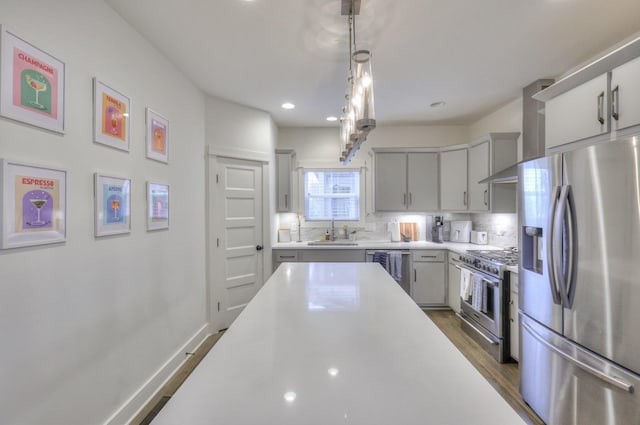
(422,177)
(454,288)
(429,287)
(391,181)
(580,113)
(453,180)
(625,98)
(478,170)
(283,182)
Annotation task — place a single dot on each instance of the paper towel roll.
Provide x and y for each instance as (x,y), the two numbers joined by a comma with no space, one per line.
(395,232)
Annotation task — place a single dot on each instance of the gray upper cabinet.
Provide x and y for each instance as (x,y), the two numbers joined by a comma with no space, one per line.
(596,103)
(453,180)
(478,170)
(284,181)
(406,181)
(625,98)
(487,156)
(578,114)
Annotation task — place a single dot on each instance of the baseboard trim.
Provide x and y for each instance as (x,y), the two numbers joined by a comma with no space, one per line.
(128,411)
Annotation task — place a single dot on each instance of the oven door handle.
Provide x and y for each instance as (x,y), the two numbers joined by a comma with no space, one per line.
(490,282)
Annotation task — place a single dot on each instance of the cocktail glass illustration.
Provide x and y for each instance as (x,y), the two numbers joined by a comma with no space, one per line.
(115,117)
(37,86)
(158,140)
(38,203)
(115,206)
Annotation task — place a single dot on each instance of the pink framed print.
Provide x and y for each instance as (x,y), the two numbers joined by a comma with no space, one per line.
(157,136)
(111,116)
(32,84)
(34,200)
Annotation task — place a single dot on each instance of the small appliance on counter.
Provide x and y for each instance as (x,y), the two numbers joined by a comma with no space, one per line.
(479,238)
(460,231)
(436,230)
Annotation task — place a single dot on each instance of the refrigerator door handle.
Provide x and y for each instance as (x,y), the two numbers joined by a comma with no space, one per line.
(616,382)
(565,219)
(550,239)
(573,248)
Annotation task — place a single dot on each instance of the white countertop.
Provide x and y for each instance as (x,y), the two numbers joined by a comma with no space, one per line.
(364,244)
(344,344)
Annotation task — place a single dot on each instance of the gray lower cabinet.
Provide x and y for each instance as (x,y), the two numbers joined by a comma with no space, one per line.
(454,281)
(317,256)
(429,288)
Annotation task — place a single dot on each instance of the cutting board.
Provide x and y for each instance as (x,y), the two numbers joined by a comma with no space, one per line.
(409,229)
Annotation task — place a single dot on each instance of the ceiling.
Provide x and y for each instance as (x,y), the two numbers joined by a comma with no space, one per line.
(475,55)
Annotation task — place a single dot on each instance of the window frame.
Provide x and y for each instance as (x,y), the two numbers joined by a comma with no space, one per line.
(327,223)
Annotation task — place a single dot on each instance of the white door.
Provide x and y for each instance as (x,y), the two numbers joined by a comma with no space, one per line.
(235,259)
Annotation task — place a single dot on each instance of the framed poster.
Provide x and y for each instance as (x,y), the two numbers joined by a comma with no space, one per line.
(112,205)
(31,84)
(34,204)
(157,136)
(110,116)
(157,206)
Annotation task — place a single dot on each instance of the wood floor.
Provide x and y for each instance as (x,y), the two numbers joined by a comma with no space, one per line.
(503,377)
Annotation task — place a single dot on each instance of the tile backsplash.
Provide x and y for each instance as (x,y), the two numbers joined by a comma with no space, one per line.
(501,228)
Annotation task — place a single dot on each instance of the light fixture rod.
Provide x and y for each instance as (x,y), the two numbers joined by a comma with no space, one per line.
(350,7)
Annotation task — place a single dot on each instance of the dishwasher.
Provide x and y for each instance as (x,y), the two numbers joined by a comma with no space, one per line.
(405,280)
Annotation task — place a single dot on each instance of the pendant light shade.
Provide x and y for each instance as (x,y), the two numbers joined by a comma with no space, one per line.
(358,114)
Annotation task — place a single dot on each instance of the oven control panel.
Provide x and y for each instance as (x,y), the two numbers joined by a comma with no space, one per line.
(480,264)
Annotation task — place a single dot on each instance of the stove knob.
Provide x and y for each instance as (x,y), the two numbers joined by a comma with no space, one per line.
(494,270)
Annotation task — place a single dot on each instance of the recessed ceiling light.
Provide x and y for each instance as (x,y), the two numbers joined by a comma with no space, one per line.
(438,104)
(288,105)
(332,118)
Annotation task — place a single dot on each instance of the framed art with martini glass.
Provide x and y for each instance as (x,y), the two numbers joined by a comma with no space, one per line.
(31,84)
(157,206)
(34,204)
(111,117)
(112,205)
(157,136)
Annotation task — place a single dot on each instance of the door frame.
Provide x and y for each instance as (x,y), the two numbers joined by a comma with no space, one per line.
(213,230)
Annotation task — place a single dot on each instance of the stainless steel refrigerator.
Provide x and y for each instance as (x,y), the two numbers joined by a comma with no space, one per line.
(579,222)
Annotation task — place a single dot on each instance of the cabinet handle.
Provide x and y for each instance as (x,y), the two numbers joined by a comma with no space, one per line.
(601,108)
(415,275)
(615,105)
(464,198)
(486,192)
(404,199)
(410,201)
(286,201)
(287,256)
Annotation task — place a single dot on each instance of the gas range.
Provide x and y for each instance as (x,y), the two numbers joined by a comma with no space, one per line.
(493,262)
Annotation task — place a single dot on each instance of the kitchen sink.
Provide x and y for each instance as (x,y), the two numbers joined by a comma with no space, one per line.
(334,243)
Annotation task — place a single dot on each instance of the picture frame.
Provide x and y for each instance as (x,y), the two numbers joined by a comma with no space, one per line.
(34,205)
(111,116)
(32,84)
(158,206)
(157,136)
(112,205)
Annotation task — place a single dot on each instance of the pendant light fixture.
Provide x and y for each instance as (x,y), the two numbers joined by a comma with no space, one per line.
(358,114)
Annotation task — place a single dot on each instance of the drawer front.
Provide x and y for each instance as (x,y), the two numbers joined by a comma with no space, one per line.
(285,256)
(433,256)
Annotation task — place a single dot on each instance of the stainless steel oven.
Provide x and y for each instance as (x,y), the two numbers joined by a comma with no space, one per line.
(484,301)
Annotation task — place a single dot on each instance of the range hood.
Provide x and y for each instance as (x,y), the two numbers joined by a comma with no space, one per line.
(532,132)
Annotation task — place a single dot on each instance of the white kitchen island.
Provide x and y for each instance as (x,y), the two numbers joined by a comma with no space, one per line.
(330,343)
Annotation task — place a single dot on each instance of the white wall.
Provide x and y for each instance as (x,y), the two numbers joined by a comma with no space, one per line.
(237,131)
(86,323)
(508,118)
(321,145)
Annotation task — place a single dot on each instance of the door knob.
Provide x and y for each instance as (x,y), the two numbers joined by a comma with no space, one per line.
(259,248)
